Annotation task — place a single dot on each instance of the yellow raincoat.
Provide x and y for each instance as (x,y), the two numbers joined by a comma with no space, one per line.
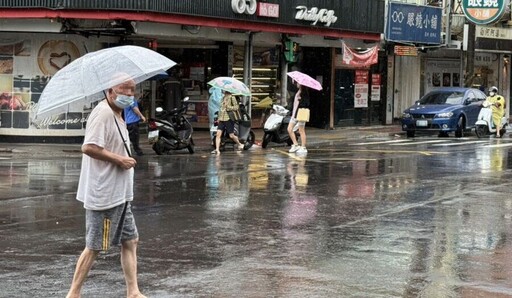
(498,108)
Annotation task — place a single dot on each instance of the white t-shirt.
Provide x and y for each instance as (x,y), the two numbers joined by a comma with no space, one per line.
(102,184)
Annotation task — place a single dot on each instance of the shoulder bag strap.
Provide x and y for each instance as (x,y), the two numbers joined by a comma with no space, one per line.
(122,138)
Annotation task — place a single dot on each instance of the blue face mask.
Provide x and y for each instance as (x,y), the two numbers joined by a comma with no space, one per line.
(123,101)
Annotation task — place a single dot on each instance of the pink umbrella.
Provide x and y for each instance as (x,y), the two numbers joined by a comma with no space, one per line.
(305,80)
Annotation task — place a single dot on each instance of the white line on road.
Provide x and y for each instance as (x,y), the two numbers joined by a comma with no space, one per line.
(498,145)
(419,143)
(381,142)
(460,143)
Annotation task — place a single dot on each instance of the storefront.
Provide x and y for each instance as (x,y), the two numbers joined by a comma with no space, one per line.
(492,60)
(231,38)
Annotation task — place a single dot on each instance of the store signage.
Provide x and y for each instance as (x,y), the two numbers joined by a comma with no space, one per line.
(315,15)
(493,32)
(406,51)
(361,89)
(244,6)
(483,12)
(52,121)
(376,80)
(413,23)
(268,10)
(485,59)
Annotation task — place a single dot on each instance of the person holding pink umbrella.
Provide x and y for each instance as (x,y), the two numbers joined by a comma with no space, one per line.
(301,100)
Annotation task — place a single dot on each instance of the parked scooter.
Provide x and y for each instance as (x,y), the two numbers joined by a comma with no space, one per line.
(484,126)
(276,127)
(242,130)
(170,130)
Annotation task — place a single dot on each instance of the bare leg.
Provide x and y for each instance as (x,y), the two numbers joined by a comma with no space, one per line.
(291,133)
(235,139)
(129,263)
(217,140)
(302,132)
(83,266)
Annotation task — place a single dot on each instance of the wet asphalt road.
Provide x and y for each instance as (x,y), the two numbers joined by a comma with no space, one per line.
(387,217)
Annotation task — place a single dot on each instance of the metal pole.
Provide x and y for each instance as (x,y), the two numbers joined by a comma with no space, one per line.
(249,99)
(284,81)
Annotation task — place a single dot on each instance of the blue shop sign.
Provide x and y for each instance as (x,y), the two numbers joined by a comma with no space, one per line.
(413,23)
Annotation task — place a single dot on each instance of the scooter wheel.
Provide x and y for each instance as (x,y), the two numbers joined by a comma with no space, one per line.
(250,141)
(190,146)
(481,131)
(266,139)
(159,147)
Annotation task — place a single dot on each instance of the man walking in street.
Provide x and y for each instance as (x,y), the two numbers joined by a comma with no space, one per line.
(106,189)
(132,117)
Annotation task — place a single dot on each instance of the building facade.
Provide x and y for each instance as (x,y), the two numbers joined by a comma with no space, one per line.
(243,38)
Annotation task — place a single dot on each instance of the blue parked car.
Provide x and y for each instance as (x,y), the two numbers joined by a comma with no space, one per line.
(444,110)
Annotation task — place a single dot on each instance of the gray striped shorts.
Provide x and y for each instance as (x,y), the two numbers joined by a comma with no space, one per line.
(106,228)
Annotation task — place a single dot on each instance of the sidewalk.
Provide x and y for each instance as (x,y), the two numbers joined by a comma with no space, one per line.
(202,140)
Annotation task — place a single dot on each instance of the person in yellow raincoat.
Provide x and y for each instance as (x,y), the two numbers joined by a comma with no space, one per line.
(497,106)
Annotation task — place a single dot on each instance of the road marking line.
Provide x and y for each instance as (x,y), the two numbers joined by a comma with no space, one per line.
(348,159)
(293,155)
(498,145)
(381,142)
(419,143)
(403,151)
(460,143)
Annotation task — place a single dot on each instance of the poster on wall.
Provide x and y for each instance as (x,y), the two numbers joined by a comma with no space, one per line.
(376,81)
(26,67)
(442,73)
(361,89)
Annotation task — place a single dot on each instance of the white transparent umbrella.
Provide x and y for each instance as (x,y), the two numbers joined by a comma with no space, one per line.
(84,80)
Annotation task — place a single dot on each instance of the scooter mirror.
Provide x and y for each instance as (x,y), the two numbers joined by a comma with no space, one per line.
(186,98)
(159,110)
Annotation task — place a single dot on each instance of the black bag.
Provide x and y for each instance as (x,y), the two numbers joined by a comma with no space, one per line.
(234,115)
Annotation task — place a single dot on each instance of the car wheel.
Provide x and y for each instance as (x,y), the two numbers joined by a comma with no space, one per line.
(459,132)
(481,131)
(410,133)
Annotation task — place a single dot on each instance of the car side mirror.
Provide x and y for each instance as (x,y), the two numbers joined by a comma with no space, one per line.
(468,101)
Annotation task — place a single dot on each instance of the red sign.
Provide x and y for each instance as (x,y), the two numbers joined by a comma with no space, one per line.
(268,10)
(361,77)
(360,59)
(406,51)
(375,79)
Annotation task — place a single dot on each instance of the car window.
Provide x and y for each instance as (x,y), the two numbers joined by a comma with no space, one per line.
(439,98)
(480,95)
(471,96)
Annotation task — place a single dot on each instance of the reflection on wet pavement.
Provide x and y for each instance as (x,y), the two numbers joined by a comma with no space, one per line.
(268,224)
